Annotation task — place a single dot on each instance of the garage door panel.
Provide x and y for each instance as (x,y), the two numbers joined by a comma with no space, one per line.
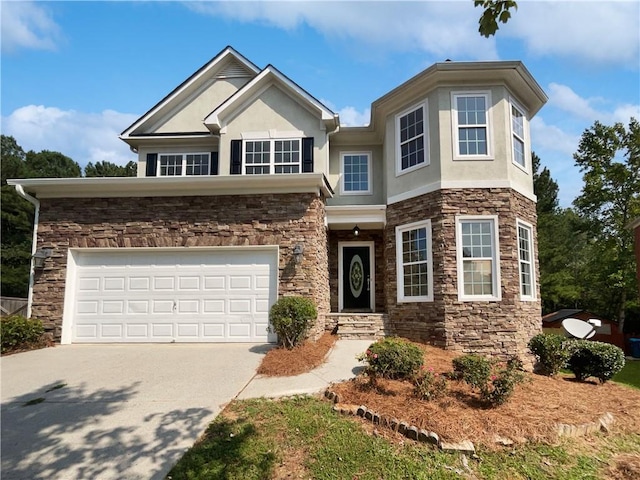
(162,330)
(140,307)
(111,330)
(139,283)
(201,296)
(137,330)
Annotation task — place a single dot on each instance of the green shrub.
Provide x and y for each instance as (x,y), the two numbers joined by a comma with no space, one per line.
(473,369)
(428,385)
(393,358)
(550,351)
(503,383)
(291,318)
(594,359)
(17,332)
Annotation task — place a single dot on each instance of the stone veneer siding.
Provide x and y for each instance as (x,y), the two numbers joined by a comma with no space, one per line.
(232,220)
(498,328)
(376,236)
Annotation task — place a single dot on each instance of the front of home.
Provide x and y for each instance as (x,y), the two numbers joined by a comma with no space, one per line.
(421,224)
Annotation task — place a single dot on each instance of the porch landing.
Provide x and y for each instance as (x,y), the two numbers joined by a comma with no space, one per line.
(361,326)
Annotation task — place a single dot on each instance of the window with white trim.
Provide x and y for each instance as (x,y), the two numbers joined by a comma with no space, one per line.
(411,128)
(471,125)
(181,164)
(517,135)
(414,262)
(356,173)
(525,257)
(272,156)
(478,258)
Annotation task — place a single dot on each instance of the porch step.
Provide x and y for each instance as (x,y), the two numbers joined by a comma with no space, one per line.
(361,326)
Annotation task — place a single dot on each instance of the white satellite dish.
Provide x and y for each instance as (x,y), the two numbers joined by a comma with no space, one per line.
(578,328)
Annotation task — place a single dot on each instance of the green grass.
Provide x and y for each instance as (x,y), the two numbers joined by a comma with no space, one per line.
(263,439)
(630,374)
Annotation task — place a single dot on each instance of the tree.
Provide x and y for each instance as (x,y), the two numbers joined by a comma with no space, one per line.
(48,164)
(562,246)
(609,157)
(494,11)
(17,214)
(17,222)
(108,169)
(545,188)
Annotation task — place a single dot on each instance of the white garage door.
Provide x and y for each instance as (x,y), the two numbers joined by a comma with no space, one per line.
(176,295)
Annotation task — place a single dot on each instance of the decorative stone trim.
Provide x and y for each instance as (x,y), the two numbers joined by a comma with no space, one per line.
(603,423)
(466,446)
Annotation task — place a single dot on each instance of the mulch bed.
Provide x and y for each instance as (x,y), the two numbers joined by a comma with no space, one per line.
(530,415)
(280,362)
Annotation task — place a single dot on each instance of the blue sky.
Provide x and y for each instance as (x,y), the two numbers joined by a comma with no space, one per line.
(75,74)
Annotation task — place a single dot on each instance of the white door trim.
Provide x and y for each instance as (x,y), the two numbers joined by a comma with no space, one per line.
(372,269)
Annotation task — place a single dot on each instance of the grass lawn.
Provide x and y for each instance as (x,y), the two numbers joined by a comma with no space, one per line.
(630,374)
(304,438)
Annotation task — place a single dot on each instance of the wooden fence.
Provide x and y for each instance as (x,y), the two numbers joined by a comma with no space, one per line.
(13,306)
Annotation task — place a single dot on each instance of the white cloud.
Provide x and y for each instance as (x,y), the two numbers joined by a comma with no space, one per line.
(350,117)
(85,137)
(605,32)
(27,25)
(443,29)
(564,98)
(552,137)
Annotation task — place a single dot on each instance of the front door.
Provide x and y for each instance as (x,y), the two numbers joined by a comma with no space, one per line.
(356,278)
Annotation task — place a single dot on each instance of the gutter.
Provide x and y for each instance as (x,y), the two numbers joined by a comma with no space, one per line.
(34,242)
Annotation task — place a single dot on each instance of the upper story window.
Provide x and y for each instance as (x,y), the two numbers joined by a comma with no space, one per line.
(517,135)
(414,262)
(411,128)
(181,164)
(272,156)
(267,153)
(471,125)
(525,257)
(478,259)
(356,173)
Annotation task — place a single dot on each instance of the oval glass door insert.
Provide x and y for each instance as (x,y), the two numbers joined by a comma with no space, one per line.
(356,276)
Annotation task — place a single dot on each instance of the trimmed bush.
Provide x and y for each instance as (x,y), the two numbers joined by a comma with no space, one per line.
(291,318)
(393,358)
(473,369)
(428,385)
(503,383)
(18,332)
(594,359)
(550,351)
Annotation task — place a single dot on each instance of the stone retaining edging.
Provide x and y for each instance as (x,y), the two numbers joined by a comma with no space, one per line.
(466,446)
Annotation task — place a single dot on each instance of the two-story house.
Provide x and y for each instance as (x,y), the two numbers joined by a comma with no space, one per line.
(421,224)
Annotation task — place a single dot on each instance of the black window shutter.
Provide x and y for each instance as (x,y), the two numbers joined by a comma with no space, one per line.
(214,163)
(152,164)
(307,155)
(236,157)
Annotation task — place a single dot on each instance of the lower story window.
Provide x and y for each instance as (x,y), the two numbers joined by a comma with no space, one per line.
(478,270)
(176,165)
(525,256)
(414,262)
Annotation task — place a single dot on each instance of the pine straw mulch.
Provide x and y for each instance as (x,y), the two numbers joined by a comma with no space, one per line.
(280,362)
(530,414)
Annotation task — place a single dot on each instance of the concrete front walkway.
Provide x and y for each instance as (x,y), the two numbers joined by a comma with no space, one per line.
(116,411)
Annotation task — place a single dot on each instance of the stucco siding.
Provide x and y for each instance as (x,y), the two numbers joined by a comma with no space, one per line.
(188,116)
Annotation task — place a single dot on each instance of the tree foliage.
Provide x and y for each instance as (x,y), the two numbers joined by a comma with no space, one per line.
(494,11)
(108,169)
(609,158)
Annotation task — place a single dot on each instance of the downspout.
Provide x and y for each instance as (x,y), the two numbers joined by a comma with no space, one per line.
(34,242)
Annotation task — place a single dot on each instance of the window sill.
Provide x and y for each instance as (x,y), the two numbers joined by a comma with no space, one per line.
(411,169)
(415,299)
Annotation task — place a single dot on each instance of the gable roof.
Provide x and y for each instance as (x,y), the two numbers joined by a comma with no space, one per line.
(229,62)
(215,121)
(560,315)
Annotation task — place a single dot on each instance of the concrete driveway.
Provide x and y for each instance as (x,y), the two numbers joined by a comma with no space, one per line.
(116,411)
